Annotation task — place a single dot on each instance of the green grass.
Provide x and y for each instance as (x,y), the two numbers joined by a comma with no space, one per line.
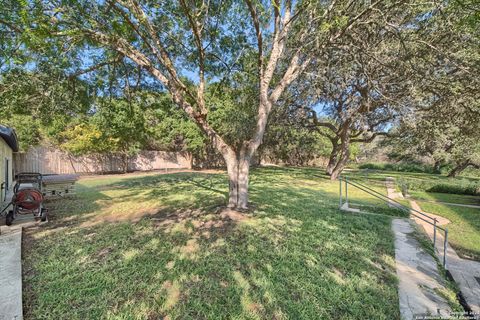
(464,229)
(153,246)
(440,184)
(445,197)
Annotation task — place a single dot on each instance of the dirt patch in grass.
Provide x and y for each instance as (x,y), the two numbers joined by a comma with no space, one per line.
(233,215)
(196,221)
(132,216)
(191,246)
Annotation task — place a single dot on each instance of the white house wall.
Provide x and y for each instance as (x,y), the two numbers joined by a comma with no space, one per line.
(5,153)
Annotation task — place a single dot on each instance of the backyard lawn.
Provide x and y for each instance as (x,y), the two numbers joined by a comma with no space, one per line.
(151,246)
(464,229)
(464,226)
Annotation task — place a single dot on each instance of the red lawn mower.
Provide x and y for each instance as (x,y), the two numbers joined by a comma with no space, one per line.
(28,197)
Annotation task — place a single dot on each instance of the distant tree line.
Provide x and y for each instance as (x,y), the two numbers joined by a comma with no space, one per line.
(292,80)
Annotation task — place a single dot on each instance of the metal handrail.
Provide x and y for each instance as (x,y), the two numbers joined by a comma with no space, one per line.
(359,186)
(399,206)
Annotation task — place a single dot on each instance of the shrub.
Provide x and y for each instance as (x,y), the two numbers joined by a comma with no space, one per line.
(469,189)
(416,184)
(463,186)
(372,166)
(453,186)
(400,167)
(404,186)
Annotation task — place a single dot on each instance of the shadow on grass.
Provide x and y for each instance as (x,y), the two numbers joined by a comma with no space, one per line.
(296,256)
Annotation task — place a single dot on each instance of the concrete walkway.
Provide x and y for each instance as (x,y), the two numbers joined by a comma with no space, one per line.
(441,221)
(466,273)
(418,276)
(11,267)
(474,206)
(20,222)
(11,275)
(391,192)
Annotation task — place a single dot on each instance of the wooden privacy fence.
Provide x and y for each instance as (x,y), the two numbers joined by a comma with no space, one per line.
(48,160)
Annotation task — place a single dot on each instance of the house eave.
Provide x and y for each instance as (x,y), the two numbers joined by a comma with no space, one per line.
(10,137)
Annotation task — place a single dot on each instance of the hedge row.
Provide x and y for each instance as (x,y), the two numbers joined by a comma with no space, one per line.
(401,167)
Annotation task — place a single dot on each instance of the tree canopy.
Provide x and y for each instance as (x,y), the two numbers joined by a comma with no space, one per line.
(120,75)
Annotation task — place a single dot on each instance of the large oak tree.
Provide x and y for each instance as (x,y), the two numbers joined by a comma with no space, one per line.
(188,45)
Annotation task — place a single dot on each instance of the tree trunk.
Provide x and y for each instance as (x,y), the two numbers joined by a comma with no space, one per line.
(190,160)
(238,168)
(332,160)
(271,84)
(340,165)
(458,169)
(125,163)
(344,155)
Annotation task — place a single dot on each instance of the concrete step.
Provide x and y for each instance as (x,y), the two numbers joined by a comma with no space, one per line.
(419,278)
(11,275)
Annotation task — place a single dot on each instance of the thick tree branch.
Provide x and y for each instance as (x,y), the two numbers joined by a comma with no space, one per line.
(324,124)
(158,48)
(290,75)
(94,67)
(278,45)
(371,138)
(258,32)
(140,59)
(11,26)
(197,34)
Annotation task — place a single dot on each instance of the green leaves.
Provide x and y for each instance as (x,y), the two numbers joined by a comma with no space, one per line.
(34,102)
(85,138)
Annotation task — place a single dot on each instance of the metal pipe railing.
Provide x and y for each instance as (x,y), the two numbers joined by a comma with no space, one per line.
(445,245)
(346,191)
(340,202)
(398,205)
(386,198)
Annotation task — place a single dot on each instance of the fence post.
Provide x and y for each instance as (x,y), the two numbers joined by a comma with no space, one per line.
(445,244)
(340,181)
(346,191)
(434,232)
